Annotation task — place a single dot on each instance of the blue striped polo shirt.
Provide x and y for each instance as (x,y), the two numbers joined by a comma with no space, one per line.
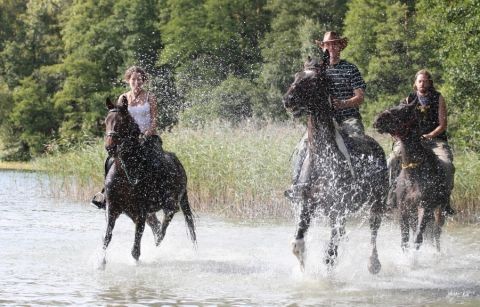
(344,78)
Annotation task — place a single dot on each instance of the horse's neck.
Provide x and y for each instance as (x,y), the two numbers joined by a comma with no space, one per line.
(412,150)
(322,131)
(130,153)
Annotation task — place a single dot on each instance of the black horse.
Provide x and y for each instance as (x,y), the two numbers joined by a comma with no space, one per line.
(421,190)
(140,183)
(338,185)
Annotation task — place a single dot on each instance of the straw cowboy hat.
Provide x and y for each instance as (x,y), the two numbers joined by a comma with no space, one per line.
(332,36)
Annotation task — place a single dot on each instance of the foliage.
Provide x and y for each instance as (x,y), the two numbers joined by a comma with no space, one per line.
(226,60)
(30,101)
(453,29)
(380,37)
(284,45)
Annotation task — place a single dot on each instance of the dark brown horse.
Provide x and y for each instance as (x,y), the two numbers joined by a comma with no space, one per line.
(421,185)
(140,183)
(335,187)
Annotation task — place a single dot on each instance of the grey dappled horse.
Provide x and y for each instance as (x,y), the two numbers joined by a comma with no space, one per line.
(336,187)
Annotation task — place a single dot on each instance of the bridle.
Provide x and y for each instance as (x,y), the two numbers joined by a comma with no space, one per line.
(120,146)
(112,134)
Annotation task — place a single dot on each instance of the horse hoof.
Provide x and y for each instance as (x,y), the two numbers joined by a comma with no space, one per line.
(298,249)
(374,266)
(102,264)
(136,255)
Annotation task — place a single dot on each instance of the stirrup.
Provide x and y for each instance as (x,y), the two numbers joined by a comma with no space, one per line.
(449,210)
(98,201)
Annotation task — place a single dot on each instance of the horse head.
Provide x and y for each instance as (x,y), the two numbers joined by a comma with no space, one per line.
(399,121)
(119,125)
(308,92)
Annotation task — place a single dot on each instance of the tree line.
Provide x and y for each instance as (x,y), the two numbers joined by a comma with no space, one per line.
(219,60)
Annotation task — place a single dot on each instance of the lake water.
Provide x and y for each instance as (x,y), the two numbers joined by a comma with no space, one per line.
(49,251)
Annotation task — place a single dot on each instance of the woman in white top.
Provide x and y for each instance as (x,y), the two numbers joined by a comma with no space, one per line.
(142,106)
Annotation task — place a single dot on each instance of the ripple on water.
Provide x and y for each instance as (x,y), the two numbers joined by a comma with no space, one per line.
(50,249)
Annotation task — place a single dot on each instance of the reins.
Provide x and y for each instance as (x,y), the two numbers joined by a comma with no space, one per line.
(131,180)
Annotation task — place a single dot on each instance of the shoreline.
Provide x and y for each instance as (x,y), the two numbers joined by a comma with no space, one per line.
(18,166)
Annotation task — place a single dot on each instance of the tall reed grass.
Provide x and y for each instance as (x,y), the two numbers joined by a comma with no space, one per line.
(236,171)
(232,171)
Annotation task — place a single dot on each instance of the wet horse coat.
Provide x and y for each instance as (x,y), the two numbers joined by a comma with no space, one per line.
(140,183)
(332,188)
(421,190)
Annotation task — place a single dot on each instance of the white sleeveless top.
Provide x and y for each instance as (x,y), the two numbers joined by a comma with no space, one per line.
(141,115)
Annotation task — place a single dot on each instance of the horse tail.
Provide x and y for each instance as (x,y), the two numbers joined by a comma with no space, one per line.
(188,214)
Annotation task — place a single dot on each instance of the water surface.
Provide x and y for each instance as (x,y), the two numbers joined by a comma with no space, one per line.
(49,251)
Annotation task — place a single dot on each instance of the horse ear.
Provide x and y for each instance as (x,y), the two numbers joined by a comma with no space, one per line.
(123,103)
(109,104)
(326,57)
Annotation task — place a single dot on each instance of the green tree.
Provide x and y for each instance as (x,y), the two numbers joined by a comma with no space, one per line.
(32,117)
(33,40)
(32,47)
(449,32)
(283,44)
(101,39)
(206,41)
(362,17)
(9,21)
(224,31)
(381,38)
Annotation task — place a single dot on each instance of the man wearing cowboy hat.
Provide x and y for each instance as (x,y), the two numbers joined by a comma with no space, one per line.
(346,91)
(347,86)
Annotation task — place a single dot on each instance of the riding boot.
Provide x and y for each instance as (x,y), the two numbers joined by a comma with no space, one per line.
(448,210)
(98,200)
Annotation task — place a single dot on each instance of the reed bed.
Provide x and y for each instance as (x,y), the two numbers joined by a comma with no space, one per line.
(237,171)
(466,193)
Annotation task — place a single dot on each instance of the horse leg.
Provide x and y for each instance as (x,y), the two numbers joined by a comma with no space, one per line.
(298,245)
(111,219)
(437,227)
(374,265)
(167,218)
(405,230)
(156,226)
(421,225)
(337,225)
(139,228)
